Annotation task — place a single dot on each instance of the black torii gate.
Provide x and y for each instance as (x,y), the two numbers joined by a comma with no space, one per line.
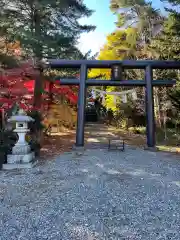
(116,68)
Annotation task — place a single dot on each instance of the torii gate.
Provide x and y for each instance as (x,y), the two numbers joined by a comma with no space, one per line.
(116,80)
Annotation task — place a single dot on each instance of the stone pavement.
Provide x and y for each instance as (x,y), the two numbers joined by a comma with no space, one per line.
(99,195)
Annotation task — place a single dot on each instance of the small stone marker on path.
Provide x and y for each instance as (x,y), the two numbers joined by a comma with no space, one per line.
(116,144)
(21,156)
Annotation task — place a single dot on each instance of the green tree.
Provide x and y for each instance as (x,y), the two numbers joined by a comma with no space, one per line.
(44,29)
(138,13)
(157,38)
(166,46)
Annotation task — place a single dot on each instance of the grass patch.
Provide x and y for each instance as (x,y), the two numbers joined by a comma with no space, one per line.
(137,136)
(165,148)
(172,138)
(138,130)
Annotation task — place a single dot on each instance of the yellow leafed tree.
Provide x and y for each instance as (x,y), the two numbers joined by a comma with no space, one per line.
(120,45)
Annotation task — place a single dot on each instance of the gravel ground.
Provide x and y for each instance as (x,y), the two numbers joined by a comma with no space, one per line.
(100,195)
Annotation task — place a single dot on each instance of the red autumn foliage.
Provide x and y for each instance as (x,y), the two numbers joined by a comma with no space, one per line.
(15,86)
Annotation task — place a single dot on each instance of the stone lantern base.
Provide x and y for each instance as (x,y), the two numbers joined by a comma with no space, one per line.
(19,159)
(11,166)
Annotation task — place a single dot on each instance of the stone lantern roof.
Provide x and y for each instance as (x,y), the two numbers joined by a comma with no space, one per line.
(21,116)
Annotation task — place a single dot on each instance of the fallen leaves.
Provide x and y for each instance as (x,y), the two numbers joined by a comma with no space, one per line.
(57,144)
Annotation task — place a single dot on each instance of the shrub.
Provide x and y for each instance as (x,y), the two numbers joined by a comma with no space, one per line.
(7,141)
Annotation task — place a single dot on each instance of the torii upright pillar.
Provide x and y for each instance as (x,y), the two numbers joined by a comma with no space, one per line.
(150,123)
(81,107)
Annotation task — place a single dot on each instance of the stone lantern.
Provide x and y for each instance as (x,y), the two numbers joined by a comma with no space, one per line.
(21,156)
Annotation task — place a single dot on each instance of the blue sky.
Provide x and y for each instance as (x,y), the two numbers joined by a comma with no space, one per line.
(104,21)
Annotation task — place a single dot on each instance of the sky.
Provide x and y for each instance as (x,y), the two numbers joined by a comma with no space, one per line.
(104,20)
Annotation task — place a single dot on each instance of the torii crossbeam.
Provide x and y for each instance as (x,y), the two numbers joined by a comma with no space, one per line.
(148,83)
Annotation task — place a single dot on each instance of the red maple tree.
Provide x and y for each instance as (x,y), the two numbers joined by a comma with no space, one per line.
(17,85)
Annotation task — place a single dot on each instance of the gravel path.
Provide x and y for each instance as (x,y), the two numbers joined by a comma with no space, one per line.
(101,195)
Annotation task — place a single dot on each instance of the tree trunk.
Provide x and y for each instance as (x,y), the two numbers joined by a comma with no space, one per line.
(157,107)
(38,57)
(164,123)
(51,84)
(38,88)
